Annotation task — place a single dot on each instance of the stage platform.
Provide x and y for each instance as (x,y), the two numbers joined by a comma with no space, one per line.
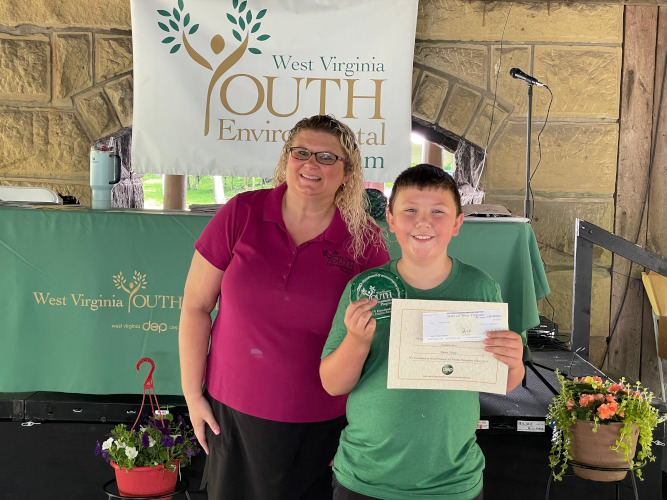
(49,440)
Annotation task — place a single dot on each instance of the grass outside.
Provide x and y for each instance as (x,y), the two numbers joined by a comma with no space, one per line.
(200,189)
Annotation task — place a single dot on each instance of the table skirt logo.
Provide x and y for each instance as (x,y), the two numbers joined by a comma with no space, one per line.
(138,282)
(134,299)
(245,26)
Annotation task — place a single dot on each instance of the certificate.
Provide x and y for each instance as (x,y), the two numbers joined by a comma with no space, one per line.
(437,344)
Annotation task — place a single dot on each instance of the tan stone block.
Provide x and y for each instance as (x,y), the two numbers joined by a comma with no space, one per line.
(585,80)
(97,113)
(479,130)
(468,63)
(554,224)
(72,65)
(120,94)
(576,158)
(511,90)
(105,14)
(429,97)
(113,56)
(566,22)
(459,109)
(45,144)
(560,298)
(25,68)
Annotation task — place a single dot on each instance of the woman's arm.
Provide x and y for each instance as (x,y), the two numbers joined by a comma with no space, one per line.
(202,288)
(340,370)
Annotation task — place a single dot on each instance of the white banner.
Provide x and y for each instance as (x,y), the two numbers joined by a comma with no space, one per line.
(219,83)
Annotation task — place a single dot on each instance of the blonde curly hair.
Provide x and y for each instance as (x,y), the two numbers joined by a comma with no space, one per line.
(350,199)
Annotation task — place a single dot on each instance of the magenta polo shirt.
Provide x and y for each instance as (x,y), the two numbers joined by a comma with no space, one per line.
(277,302)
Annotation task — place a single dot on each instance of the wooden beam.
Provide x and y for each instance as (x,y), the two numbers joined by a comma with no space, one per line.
(654,3)
(175,187)
(657,209)
(432,154)
(634,146)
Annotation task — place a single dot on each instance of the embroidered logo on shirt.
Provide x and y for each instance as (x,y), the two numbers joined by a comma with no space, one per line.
(343,263)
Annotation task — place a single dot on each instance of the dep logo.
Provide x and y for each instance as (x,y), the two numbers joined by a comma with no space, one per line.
(149,326)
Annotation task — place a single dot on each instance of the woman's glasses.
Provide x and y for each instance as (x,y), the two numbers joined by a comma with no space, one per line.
(322,157)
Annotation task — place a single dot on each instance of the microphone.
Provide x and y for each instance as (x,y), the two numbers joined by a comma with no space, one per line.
(520,75)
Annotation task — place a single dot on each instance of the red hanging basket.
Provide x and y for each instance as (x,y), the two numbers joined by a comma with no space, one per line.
(145,481)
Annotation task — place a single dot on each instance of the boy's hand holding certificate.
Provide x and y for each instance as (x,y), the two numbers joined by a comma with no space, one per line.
(437,344)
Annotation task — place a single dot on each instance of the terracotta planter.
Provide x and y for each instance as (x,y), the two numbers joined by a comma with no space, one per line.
(145,481)
(593,449)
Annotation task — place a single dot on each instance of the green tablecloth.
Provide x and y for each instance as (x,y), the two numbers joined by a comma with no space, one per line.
(508,252)
(85,294)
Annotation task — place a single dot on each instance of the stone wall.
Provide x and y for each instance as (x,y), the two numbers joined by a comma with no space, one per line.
(461,68)
(65,81)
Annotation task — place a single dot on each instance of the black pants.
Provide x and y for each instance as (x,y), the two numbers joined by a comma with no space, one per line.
(342,493)
(257,459)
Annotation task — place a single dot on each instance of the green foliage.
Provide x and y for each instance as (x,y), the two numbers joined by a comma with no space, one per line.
(200,188)
(602,402)
(159,441)
(244,22)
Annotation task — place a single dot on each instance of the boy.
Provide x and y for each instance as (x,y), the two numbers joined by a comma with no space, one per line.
(401,444)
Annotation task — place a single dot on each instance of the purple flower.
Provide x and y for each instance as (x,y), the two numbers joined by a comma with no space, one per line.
(178,440)
(145,442)
(98,448)
(105,455)
(168,441)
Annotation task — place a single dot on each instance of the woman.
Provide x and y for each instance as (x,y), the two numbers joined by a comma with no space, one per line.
(278,260)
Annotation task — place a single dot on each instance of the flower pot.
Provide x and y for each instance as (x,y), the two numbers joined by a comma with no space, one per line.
(594,449)
(145,481)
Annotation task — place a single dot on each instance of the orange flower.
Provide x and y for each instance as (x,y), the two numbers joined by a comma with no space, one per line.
(570,403)
(607,410)
(610,398)
(585,399)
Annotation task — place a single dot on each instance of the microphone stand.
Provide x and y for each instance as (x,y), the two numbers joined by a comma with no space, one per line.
(526,201)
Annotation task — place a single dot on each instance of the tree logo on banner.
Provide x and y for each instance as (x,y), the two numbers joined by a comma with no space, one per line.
(244,25)
(138,282)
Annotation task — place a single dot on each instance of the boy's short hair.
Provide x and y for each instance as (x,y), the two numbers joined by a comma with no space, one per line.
(425,176)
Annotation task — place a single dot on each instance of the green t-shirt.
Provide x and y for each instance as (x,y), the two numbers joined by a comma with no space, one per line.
(407,443)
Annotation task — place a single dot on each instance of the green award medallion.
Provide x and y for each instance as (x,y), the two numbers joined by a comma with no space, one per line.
(381,285)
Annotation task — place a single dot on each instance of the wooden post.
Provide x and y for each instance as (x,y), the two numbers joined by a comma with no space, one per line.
(634,148)
(657,208)
(175,187)
(432,154)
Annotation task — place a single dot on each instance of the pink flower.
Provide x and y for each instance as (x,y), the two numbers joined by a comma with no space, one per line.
(570,403)
(610,398)
(599,397)
(615,388)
